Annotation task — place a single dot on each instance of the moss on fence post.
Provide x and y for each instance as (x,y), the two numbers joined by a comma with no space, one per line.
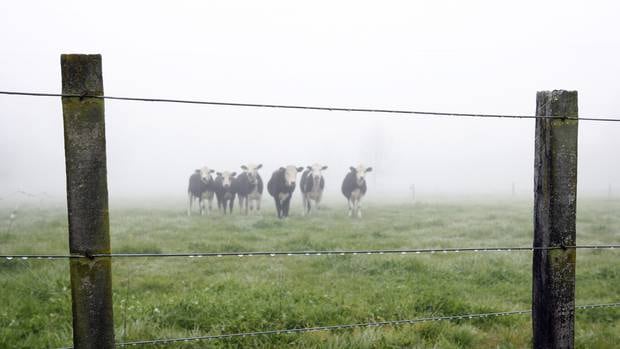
(555,207)
(87,201)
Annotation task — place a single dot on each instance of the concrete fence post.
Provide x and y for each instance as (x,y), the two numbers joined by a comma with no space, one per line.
(87,201)
(555,206)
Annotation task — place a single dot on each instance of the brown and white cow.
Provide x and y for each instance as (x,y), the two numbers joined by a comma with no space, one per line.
(354,188)
(202,187)
(225,191)
(249,188)
(312,185)
(281,186)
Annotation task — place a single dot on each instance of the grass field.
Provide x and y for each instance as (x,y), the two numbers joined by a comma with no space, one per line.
(176,297)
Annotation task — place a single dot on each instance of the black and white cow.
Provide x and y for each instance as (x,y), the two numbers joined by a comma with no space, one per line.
(201,186)
(354,188)
(281,186)
(225,191)
(311,185)
(249,187)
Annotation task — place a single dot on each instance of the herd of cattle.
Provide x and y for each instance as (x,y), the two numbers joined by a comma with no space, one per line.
(248,188)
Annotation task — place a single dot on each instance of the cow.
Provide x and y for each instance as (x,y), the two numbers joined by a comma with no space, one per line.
(281,186)
(249,187)
(354,188)
(311,185)
(201,186)
(225,191)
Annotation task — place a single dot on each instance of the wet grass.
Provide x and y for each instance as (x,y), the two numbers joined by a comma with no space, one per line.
(177,297)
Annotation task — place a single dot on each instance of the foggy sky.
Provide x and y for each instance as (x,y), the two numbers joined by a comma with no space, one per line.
(452,56)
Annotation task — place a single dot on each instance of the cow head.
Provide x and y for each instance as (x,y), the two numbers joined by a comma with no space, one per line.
(252,171)
(360,173)
(227,178)
(290,174)
(315,171)
(205,174)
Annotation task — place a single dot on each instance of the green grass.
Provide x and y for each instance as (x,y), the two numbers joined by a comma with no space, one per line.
(177,297)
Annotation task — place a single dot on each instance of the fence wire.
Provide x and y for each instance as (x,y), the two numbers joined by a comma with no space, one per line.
(345,327)
(305,107)
(312,253)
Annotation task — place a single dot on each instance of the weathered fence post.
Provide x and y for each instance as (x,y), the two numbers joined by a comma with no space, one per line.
(555,199)
(87,199)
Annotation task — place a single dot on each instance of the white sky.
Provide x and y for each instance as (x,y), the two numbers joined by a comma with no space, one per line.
(460,56)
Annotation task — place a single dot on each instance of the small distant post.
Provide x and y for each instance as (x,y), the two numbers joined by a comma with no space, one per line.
(87,200)
(514,192)
(555,199)
(412,188)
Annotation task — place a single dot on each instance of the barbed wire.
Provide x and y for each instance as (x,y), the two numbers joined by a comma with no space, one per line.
(311,253)
(347,326)
(305,107)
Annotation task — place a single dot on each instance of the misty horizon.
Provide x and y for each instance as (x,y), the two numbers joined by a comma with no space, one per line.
(391,57)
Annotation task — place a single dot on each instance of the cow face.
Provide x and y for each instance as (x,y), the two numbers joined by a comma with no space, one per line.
(227,178)
(290,174)
(205,174)
(360,173)
(315,171)
(252,171)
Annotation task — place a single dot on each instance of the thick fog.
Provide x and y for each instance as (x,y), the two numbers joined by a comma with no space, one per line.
(451,56)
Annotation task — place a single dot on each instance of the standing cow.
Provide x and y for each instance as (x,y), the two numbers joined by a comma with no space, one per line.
(281,186)
(201,186)
(354,188)
(249,187)
(311,185)
(225,191)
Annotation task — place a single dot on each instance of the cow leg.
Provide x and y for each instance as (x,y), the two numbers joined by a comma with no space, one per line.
(201,206)
(303,204)
(232,203)
(359,208)
(350,207)
(257,205)
(286,205)
(309,205)
(189,204)
(278,208)
(210,205)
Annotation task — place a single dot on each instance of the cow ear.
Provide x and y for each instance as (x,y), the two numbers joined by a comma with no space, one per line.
(369,169)
(196,171)
(211,171)
(244,167)
(233,174)
(281,169)
(219,173)
(309,167)
(259,166)
(352,169)
(299,169)
(324,168)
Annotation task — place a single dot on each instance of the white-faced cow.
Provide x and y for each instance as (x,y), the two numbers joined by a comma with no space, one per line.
(202,187)
(249,188)
(225,191)
(354,188)
(281,186)
(311,185)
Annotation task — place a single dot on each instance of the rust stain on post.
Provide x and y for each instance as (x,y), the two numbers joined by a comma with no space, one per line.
(555,207)
(87,199)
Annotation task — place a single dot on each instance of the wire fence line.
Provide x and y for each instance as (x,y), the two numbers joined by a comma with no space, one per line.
(307,107)
(310,253)
(347,326)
